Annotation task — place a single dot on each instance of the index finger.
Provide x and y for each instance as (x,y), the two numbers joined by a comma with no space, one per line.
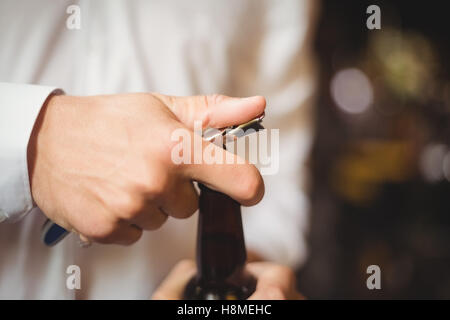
(228,174)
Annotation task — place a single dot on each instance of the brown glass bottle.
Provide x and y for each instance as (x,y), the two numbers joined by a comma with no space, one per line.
(221,253)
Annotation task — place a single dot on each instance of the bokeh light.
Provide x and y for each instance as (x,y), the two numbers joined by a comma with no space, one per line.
(352,91)
(432,162)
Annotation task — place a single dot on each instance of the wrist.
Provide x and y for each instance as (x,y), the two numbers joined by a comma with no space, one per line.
(35,142)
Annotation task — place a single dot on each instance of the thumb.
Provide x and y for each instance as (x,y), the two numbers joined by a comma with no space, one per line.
(215,111)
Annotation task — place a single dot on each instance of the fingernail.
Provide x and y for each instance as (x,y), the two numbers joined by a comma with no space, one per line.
(84,242)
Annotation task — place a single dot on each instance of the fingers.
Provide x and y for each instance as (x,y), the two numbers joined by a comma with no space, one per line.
(203,161)
(215,111)
(274,282)
(150,219)
(231,175)
(182,202)
(173,286)
(101,226)
(127,215)
(122,234)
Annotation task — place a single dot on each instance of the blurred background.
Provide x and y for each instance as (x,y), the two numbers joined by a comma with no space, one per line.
(380,163)
(381,158)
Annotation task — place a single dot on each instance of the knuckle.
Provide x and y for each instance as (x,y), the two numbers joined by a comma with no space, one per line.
(101,231)
(157,185)
(156,189)
(215,98)
(129,206)
(153,98)
(210,101)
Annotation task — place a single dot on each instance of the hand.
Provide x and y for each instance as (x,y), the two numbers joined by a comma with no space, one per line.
(274,282)
(101,166)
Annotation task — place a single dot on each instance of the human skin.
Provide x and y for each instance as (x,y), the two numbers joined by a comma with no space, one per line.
(101,166)
(274,281)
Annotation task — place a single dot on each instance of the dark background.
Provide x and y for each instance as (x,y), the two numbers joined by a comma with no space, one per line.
(380,179)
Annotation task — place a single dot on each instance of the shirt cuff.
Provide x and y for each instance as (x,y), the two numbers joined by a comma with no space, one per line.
(19,107)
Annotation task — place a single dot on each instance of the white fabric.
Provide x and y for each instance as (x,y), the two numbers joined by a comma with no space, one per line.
(237,47)
(16,122)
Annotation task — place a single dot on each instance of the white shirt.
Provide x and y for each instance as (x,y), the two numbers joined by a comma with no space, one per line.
(237,47)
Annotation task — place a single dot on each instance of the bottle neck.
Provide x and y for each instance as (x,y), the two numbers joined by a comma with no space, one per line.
(221,249)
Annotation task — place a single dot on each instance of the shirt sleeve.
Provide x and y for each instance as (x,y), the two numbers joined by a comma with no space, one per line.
(19,107)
